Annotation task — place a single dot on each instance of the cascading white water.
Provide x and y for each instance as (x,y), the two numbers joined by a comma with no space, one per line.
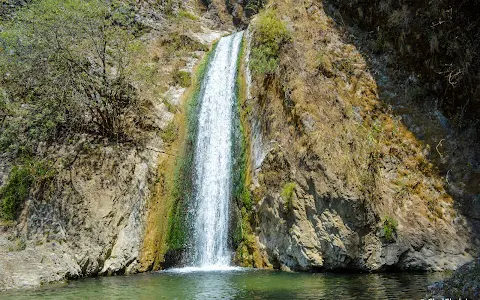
(213,157)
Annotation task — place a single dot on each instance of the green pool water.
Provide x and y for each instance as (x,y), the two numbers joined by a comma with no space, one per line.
(239,284)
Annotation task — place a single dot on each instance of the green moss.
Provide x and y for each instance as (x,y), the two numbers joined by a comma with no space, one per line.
(270,33)
(241,192)
(182,190)
(389,228)
(243,237)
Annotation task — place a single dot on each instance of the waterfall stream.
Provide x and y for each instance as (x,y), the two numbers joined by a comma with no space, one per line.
(213,158)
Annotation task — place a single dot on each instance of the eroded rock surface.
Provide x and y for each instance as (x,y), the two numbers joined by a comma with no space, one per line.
(345,184)
(93,225)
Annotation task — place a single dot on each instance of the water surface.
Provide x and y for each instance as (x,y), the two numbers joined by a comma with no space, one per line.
(239,284)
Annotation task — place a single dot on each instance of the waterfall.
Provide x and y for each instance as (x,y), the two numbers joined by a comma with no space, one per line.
(213,157)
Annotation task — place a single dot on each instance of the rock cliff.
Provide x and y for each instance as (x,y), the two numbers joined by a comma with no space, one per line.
(95,214)
(342,182)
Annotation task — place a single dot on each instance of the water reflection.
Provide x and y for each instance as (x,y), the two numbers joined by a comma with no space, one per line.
(239,284)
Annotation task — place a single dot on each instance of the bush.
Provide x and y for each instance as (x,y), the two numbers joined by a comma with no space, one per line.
(170,133)
(182,78)
(20,182)
(270,33)
(287,194)
(389,228)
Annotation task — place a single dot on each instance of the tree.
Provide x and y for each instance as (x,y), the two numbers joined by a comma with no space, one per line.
(63,66)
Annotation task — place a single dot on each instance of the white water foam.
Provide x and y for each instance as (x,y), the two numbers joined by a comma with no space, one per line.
(187,270)
(213,160)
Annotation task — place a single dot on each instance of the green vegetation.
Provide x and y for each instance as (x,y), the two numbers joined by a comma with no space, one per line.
(182,78)
(247,253)
(389,228)
(241,192)
(254,6)
(270,33)
(170,133)
(22,178)
(181,193)
(288,191)
(64,68)
(186,14)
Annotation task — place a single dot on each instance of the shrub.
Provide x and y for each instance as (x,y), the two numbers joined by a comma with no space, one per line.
(20,182)
(182,78)
(170,133)
(270,33)
(389,228)
(287,194)
(186,14)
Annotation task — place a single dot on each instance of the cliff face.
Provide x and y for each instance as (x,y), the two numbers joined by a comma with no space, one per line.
(100,211)
(437,39)
(92,225)
(423,55)
(340,181)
